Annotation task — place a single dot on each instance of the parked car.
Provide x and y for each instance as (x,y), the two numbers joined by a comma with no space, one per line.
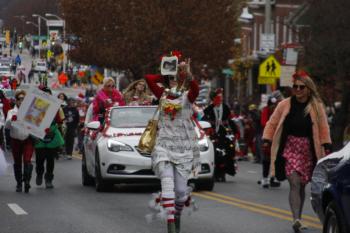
(111,156)
(39,65)
(330,191)
(5,71)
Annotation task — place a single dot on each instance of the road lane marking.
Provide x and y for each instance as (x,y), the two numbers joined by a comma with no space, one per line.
(16,209)
(252,172)
(256,210)
(254,207)
(310,218)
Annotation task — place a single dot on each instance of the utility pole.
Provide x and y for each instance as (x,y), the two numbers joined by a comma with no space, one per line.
(39,30)
(267,16)
(267,30)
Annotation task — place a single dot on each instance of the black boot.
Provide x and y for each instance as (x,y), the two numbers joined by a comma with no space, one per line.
(48,181)
(39,175)
(27,175)
(177,223)
(18,176)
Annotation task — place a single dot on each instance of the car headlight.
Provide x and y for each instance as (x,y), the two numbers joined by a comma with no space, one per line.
(117,146)
(203,145)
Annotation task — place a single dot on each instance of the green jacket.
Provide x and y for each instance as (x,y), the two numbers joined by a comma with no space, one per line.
(52,140)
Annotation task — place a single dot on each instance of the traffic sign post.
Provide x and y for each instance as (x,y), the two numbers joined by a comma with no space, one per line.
(269,71)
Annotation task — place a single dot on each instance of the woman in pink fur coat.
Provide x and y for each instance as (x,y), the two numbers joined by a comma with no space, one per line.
(298,133)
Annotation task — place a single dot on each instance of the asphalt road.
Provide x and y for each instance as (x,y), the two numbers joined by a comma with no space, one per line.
(237,206)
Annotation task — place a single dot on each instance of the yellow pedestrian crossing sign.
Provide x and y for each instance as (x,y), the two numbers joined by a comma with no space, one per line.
(269,71)
(97,78)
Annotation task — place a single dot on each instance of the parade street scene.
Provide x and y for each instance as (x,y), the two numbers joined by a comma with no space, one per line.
(195,116)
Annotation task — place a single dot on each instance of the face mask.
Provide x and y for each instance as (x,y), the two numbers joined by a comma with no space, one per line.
(217,100)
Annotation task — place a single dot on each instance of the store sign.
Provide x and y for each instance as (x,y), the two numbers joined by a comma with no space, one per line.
(54,23)
(286,76)
(267,42)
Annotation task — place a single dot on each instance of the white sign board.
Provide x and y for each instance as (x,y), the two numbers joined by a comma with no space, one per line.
(169,65)
(37,112)
(267,42)
(286,76)
(54,23)
(291,56)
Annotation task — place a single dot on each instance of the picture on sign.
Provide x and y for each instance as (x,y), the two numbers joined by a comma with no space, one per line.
(270,68)
(37,112)
(169,65)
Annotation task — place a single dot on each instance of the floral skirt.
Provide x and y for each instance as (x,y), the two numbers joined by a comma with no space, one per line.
(298,155)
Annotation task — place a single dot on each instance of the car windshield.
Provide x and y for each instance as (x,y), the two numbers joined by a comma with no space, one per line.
(133,117)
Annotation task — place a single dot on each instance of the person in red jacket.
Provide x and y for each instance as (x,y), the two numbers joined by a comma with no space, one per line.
(266,113)
(176,153)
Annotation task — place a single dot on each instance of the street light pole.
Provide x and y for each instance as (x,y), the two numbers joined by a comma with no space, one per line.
(268,29)
(39,31)
(267,16)
(39,25)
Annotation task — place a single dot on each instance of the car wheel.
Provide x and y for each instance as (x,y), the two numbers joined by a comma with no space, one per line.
(205,185)
(100,184)
(334,222)
(87,180)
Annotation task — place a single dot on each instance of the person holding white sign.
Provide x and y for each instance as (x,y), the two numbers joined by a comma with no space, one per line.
(46,149)
(22,147)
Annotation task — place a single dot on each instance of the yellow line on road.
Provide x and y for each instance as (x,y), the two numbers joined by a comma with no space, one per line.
(310,218)
(254,209)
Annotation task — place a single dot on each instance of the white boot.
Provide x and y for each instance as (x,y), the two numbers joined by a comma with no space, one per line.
(265,183)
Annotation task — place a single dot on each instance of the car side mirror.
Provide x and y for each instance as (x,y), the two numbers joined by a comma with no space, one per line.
(204,124)
(94,125)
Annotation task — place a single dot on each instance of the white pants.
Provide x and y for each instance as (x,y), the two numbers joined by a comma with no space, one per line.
(173,183)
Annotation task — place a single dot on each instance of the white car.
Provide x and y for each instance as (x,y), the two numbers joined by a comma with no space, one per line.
(111,155)
(5,71)
(40,66)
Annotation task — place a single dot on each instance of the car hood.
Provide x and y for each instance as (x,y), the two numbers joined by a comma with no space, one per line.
(343,154)
(321,173)
(130,136)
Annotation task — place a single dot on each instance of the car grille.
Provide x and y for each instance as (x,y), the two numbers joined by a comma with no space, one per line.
(144,172)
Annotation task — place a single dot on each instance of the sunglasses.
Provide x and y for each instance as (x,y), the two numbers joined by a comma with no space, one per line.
(110,86)
(300,87)
(20,98)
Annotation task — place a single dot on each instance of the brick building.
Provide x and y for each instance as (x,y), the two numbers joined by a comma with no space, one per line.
(253,26)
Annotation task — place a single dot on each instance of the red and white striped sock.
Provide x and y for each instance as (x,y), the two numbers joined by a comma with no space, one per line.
(169,205)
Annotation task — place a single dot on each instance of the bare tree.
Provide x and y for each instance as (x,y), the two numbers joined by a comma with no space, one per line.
(327,54)
(16,12)
(133,35)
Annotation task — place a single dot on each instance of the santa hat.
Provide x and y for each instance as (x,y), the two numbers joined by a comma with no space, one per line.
(213,94)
